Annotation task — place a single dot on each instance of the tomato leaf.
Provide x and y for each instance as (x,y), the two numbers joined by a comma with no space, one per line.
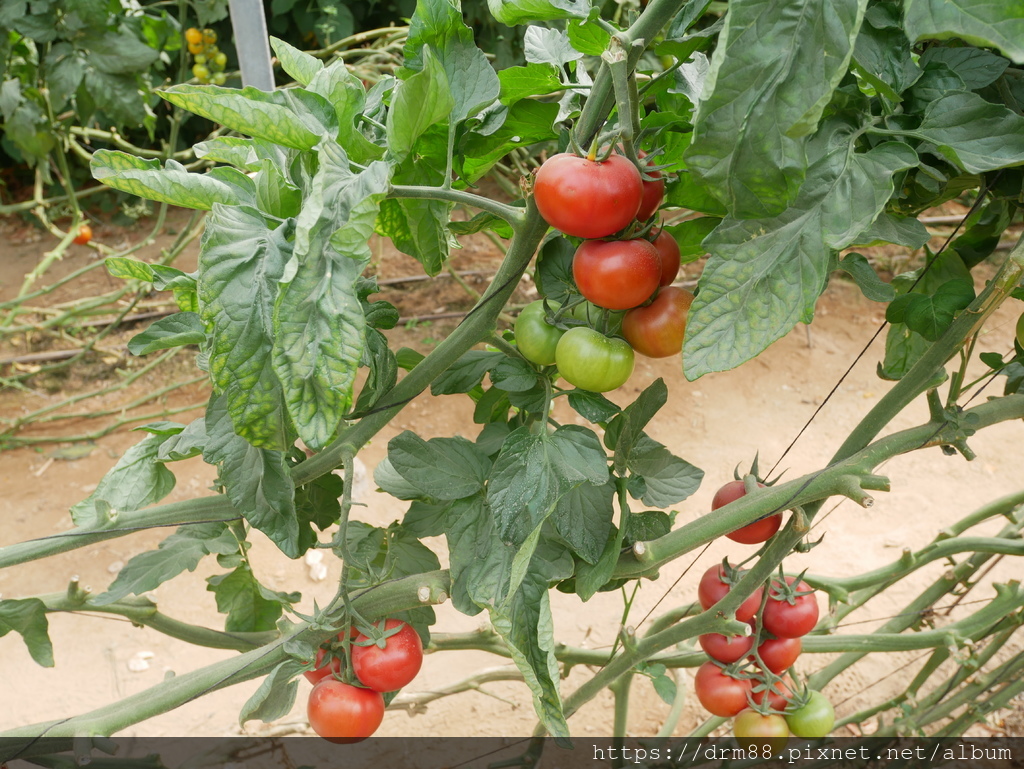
(669,479)
(514,375)
(590,578)
(440,468)
(643,527)
(665,686)
(543,45)
(772,74)
(981,23)
(513,12)
(417,103)
(903,231)
(244,153)
(587,37)
(27,618)
(983,233)
(275,696)
(466,373)
(390,481)
(383,370)
(583,518)
(592,406)
(299,64)
(345,92)
(634,418)
(250,606)
(480,562)
(129,269)
(976,67)
(930,316)
(178,330)
(864,275)
(426,519)
(526,122)
(882,54)
(523,82)
(554,270)
(187,443)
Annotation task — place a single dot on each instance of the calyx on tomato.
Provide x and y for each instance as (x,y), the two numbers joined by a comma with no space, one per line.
(592,361)
(791,611)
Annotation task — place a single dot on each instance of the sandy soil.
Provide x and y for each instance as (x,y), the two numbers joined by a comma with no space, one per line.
(717,422)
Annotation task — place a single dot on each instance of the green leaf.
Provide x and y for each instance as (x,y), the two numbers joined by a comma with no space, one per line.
(383,370)
(346,94)
(426,519)
(972,133)
(977,68)
(772,74)
(241,265)
(27,618)
(480,222)
(592,406)
(643,527)
(320,325)
(418,103)
(182,551)
(129,269)
(481,563)
(903,231)
(250,606)
(690,236)
(116,96)
(634,418)
(173,183)
(299,64)
(136,481)
(178,330)
(982,235)
(276,694)
(587,37)
(275,195)
(256,480)
(117,53)
(527,122)
(466,373)
(554,270)
(240,152)
(523,82)
(291,117)
(864,275)
(665,686)
(930,316)
(390,481)
(514,375)
(514,12)
(882,55)
(979,22)
(186,444)
(544,45)
(764,275)
(583,518)
(669,479)
(591,578)
(441,468)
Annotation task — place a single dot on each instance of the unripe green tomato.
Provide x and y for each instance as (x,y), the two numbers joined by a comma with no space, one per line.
(201,72)
(220,78)
(220,60)
(591,314)
(212,50)
(200,58)
(535,337)
(1020,330)
(813,720)
(592,361)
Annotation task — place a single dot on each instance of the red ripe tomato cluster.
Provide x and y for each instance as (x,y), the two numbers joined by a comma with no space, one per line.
(754,686)
(341,712)
(594,200)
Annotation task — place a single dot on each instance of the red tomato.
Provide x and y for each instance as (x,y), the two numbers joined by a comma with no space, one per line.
(713,588)
(322,670)
(764,735)
(617,274)
(656,330)
(339,712)
(668,247)
(790,620)
(760,530)
(393,666)
(588,198)
(778,696)
(720,694)
(726,649)
(654,191)
(779,654)
(84,234)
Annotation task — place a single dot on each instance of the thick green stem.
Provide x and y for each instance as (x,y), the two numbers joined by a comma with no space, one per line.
(510,214)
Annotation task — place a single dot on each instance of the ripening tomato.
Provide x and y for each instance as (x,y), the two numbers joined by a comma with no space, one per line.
(760,530)
(713,588)
(84,234)
(593,316)
(388,668)
(720,694)
(592,361)
(764,735)
(814,719)
(779,696)
(339,712)
(617,274)
(322,670)
(668,249)
(654,191)
(779,654)
(535,337)
(193,35)
(656,330)
(588,198)
(790,616)
(725,649)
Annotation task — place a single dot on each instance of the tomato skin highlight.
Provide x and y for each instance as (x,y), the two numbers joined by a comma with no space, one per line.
(617,274)
(588,198)
(394,666)
(784,620)
(767,735)
(720,694)
(712,589)
(671,257)
(592,361)
(753,533)
(84,234)
(535,337)
(657,329)
(813,720)
(779,654)
(342,713)
(726,649)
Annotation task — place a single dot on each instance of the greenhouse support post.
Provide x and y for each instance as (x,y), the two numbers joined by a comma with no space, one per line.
(252,43)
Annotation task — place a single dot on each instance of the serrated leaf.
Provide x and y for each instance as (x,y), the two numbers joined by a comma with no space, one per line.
(643,527)
(172,183)
(480,562)
(514,375)
(690,236)
(592,406)
(882,55)
(554,270)
(275,194)
(250,606)
(864,275)
(27,618)
(480,222)
(979,22)
(976,67)
(466,373)
(178,330)
(136,481)
(275,696)
(390,481)
(669,479)
(665,687)
(418,103)
(441,468)
(634,419)
(583,518)
(186,444)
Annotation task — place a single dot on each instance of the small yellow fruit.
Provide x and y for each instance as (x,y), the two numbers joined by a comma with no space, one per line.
(193,35)
(209,36)
(220,78)
(201,72)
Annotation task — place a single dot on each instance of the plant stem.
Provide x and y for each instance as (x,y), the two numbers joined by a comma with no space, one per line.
(510,214)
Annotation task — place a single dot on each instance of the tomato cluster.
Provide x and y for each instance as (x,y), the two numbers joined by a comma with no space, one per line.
(752,684)
(209,60)
(342,712)
(594,200)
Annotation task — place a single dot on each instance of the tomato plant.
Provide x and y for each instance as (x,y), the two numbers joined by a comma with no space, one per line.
(720,693)
(340,712)
(535,337)
(726,649)
(813,719)
(391,666)
(617,274)
(656,329)
(84,234)
(779,654)
(778,695)
(323,668)
(592,361)
(653,193)
(713,588)
(588,198)
(790,612)
(753,533)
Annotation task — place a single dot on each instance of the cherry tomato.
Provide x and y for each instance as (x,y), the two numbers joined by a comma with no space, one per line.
(654,191)
(713,588)
(753,533)
(322,670)
(339,712)
(196,48)
(668,248)
(779,654)
(790,620)
(725,649)
(219,78)
(209,36)
(84,234)
(720,694)
(765,735)
(656,330)
(535,337)
(592,361)
(588,198)
(393,666)
(779,696)
(220,60)
(193,35)
(617,274)
(201,72)
(813,720)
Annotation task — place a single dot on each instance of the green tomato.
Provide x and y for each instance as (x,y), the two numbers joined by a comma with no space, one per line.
(814,719)
(592,361)
(201,72)
(535,337)
(1020,330)
(220,60)
(220,78)
(591,314)
(200,58)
